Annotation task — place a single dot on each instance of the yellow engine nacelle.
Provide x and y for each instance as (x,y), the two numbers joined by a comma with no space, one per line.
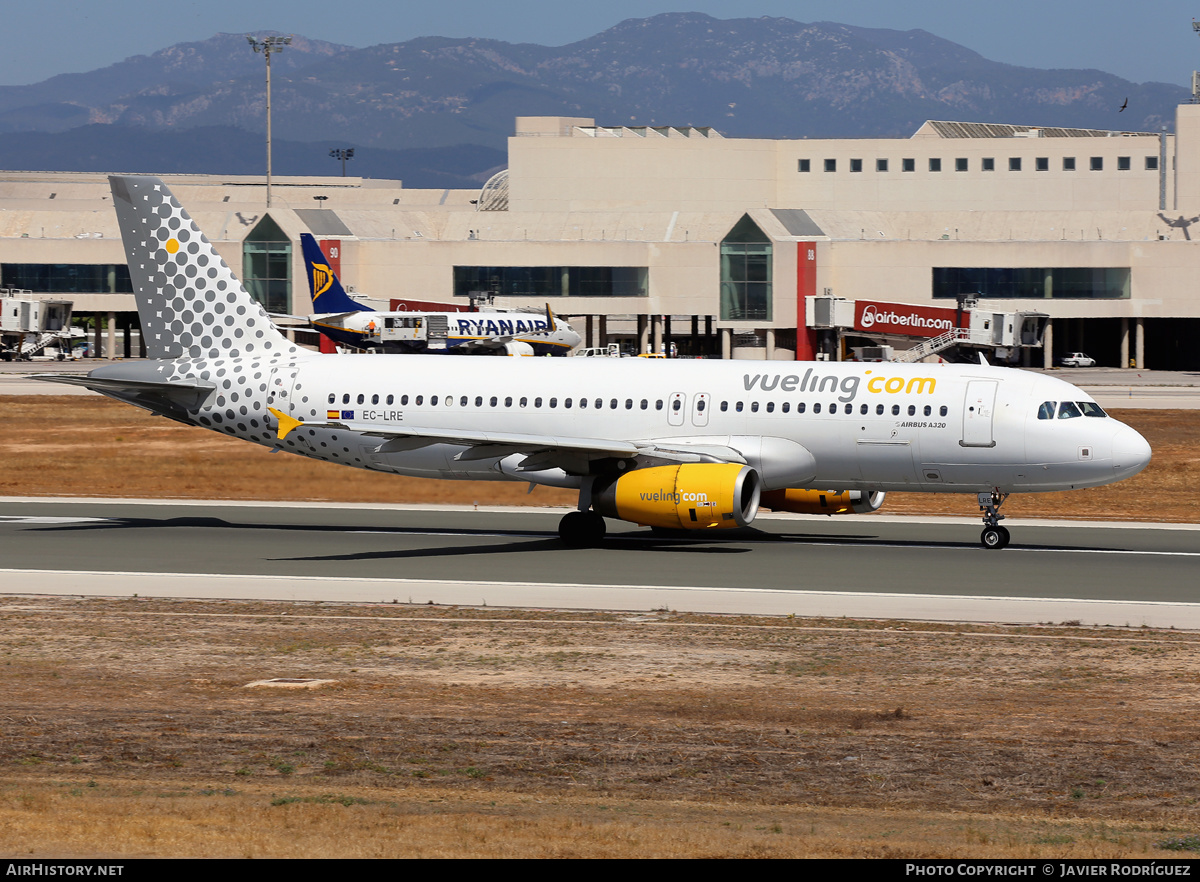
(826,502)
(691,496)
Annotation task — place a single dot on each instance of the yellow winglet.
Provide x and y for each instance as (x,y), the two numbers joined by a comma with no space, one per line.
(286,423)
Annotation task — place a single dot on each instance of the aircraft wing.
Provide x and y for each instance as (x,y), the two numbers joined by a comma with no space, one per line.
(541,451)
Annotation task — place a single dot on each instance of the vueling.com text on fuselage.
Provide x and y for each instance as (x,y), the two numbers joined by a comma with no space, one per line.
(848,386)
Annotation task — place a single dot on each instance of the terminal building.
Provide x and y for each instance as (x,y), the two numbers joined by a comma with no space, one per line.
(653,236)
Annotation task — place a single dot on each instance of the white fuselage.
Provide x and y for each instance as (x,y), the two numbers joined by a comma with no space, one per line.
(932,428)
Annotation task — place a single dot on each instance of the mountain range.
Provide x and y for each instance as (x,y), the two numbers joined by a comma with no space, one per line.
(435,111)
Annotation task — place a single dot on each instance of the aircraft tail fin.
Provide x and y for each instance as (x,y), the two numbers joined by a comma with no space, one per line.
(190,303)
(327,292)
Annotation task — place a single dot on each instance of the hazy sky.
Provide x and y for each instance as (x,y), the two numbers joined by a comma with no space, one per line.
(1151,40)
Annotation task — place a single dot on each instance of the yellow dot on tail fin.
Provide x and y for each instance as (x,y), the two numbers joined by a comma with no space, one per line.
(172,246)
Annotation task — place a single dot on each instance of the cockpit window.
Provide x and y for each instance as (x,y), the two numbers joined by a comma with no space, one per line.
(1046,411)
(1068,411)
(1091,409)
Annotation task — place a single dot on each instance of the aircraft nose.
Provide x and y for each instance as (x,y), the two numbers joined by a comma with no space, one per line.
(1131,452)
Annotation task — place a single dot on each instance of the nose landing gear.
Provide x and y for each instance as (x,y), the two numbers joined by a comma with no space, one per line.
(993,535)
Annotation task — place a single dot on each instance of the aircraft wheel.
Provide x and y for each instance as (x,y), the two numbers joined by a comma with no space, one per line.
(994,537)
(581,529)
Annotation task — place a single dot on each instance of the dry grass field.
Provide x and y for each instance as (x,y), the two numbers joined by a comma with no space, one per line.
(128,727)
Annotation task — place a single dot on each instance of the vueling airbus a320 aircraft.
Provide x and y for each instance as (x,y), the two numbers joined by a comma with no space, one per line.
(690,445)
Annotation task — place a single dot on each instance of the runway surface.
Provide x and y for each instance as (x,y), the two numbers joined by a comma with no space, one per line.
(863,566)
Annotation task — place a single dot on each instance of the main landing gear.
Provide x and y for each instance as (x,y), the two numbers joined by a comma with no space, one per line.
(583,528)
(993,535)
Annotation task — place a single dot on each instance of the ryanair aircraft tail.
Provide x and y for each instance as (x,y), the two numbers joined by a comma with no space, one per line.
(190,303)
(328,296)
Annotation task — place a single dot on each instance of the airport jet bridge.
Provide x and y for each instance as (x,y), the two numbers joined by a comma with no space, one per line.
(909,333)
(30,327)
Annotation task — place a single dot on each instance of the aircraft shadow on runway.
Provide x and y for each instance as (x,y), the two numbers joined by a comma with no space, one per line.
(541,540)
(663,541)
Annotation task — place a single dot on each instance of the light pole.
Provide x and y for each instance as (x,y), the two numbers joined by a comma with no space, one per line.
(342,153)
(266,46)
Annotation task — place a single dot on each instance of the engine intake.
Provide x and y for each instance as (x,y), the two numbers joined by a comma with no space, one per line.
(690,496)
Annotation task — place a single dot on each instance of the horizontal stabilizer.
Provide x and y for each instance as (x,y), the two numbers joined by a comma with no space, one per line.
(167,398)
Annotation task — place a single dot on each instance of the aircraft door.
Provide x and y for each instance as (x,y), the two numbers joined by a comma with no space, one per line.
(700,406)
(675,408)
(978,410)
(280,390)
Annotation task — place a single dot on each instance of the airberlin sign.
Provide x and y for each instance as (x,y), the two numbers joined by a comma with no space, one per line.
(900,318)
